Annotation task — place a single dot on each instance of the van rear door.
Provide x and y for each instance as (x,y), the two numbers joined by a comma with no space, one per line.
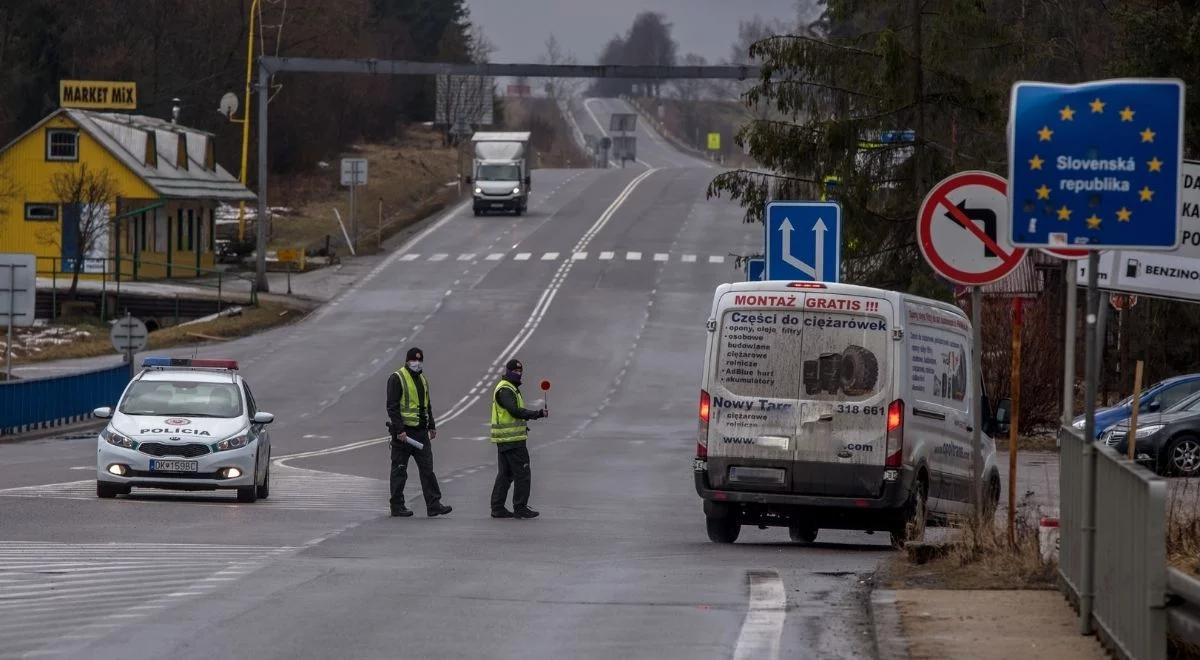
(846,386)
(753,381)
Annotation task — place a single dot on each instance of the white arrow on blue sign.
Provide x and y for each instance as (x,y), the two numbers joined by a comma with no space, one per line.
(804,241)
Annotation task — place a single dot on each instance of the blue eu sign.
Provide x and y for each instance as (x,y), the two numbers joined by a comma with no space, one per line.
(1096,165)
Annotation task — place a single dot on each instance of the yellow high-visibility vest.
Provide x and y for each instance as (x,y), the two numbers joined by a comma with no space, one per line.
(506,427)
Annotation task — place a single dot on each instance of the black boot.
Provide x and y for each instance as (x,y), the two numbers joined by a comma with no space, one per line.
(502,513)
(439,510)
(402,512)
(525,513)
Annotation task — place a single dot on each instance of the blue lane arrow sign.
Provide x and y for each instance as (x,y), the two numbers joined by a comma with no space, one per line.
(756,270)
(804,241)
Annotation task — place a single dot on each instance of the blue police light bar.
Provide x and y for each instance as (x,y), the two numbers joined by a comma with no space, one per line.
(189,363)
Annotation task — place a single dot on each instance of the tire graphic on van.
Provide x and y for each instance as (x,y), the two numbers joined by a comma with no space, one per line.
(860,370)
(852,372)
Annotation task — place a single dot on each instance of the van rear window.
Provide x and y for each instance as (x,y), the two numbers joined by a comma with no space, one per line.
(803,355)
(760,353)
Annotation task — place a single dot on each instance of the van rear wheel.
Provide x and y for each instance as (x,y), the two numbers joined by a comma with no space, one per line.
(916,511)
(724,529)
(802,534)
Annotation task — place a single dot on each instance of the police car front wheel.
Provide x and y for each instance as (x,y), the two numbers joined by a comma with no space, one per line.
(248,494)
(110,490)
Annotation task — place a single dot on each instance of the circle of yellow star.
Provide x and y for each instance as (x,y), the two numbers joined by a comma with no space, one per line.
(1064,213)
(1154,164)
(1043,192)
(1127,114)
(1066,114)
(1097,105)
(1093,222)
(1148,135)
(1124,214)
(1145,194)
(1044,134)
(1035,163)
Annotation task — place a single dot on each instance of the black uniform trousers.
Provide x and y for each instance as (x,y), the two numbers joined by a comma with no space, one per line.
(424,457)
(513,459)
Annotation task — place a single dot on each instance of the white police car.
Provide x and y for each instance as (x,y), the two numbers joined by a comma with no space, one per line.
(185,425)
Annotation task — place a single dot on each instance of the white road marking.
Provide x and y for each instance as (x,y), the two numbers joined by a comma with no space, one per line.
(550,256)
(689,258)
(660,256)
(606,256)
(441,256)
(410,257)
(579,256)
(518,341)
(765,616)
(466,257)
(716,259)
(495,256)
(523,256)
(633,256)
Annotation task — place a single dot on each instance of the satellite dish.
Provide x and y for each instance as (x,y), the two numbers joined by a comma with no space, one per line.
(229,104)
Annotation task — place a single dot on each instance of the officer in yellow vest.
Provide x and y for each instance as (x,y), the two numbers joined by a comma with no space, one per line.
(411,415)
(509,433)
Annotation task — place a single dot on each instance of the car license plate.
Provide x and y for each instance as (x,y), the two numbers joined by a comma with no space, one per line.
(157,465)
(497,205)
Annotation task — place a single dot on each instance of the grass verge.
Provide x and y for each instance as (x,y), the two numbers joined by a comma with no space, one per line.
(1183,525)
(96,343)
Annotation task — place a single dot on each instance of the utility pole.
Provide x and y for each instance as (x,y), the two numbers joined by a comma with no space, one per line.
(260,232)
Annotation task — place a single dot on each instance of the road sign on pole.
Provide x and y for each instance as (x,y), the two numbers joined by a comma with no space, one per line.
(756,269)
(1096,166)
(804,241)
(128,336)
(714,141)
(17,292)
(962,229)
(354,174)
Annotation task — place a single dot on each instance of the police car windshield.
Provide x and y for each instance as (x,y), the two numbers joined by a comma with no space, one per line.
(499,173)
(182,399)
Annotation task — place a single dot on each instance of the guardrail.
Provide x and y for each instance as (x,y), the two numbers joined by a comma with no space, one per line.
(40,403)
(1128,585)
(1183,618)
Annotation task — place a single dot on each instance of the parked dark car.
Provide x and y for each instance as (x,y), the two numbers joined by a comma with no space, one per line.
(1167,442)
(1156,398)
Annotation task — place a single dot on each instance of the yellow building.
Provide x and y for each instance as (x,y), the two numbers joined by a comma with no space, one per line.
(158,220)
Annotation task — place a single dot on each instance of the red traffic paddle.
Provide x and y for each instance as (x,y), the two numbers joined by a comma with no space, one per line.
(546,388)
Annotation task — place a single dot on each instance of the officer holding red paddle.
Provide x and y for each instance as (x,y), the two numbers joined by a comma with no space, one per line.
(509,433)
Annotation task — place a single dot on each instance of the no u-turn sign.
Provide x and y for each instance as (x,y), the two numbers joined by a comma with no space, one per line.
(963,229)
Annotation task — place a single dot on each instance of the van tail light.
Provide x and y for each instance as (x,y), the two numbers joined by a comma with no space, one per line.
(895,434)
(702,433)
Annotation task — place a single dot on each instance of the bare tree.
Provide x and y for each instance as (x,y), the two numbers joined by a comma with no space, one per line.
(559,88)
(87,192)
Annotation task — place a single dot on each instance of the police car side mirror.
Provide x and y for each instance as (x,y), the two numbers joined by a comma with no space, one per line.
(103,413)
(263,418)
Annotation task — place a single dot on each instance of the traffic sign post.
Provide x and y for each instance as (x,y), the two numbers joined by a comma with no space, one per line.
(354,174)
(804,241)
(756,270)
(17,294)
(1096,166)
(128,336)
(961,230)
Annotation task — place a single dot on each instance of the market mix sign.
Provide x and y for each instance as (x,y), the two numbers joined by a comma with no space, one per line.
(97,95)
(1096,165)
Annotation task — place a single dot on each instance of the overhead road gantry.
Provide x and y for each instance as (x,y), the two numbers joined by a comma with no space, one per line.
(272,65)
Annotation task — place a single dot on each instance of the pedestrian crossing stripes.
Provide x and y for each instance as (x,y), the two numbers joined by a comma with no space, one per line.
(55,598)
(291,488)
(608,255)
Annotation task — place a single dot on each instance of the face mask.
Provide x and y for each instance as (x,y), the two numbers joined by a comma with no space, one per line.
(513,377)
(414,366)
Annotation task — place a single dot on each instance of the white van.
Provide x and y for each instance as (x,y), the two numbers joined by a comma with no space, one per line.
(835,406)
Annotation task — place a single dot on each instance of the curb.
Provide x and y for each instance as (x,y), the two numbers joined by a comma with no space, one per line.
(47,430)
(890,642)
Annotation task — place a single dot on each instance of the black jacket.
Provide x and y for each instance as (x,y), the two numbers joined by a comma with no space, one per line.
(395,392)
(508,401)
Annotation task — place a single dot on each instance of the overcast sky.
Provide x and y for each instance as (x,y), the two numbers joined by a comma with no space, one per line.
(519,28)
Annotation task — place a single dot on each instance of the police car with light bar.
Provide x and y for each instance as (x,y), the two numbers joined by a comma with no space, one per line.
(185,424)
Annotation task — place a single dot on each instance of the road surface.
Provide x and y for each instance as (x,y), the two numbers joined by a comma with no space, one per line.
(604,289)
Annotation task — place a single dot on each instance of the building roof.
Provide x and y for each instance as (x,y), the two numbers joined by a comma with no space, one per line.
(126,136)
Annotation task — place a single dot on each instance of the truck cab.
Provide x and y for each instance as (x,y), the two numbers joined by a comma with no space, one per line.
(501,172)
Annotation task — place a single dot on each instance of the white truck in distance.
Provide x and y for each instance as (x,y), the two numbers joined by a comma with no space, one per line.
(501,172)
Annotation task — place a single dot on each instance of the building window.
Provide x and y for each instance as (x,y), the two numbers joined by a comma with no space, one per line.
(41,212)
(62,144)
(179,230)
(191,231)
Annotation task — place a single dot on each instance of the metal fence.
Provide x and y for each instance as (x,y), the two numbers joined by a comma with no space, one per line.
(1128,584)
(47,402)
